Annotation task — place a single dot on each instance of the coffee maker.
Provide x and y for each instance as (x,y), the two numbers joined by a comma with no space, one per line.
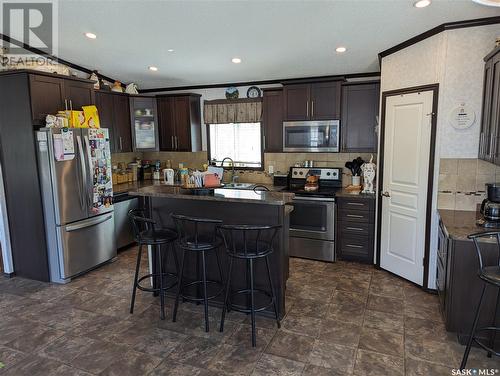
(490,207)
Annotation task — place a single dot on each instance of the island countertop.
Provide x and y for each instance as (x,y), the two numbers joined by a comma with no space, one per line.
(223,194)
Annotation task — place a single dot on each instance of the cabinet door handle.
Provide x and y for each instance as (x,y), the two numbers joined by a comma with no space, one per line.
(307,108)
(70,105)
(481,145)
(312,108)
(355,216)
(121,145)
(490,154)
(66,104)
(173,145)
(353,246)
(355,228)
(355,203)
(264,142)
(176,143)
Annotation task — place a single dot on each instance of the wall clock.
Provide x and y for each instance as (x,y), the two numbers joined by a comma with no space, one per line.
(253,92)
(462,117)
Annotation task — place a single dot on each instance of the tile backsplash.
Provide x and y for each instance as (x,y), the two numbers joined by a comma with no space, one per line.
(280,162)
(461,182)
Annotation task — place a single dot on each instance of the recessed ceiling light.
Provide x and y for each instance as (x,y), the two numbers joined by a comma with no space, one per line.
(153,68)
(170,50)
(236,60)
(90,35)
(341,49)
(422,3)
(490,3)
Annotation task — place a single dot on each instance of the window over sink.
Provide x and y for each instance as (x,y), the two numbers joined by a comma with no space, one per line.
(239,141)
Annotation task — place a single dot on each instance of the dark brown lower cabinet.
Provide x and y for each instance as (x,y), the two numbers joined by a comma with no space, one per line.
(459,287)
(355,228)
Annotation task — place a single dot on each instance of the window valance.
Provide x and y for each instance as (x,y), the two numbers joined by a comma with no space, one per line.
(246,110)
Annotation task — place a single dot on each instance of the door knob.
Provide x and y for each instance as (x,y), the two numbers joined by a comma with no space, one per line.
(385,194)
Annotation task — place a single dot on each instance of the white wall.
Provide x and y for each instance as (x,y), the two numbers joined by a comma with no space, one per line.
(454,60)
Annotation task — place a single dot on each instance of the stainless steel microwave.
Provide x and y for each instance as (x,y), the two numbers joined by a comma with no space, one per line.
(311,136)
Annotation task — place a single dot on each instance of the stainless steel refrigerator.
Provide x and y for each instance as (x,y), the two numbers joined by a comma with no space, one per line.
(75,176)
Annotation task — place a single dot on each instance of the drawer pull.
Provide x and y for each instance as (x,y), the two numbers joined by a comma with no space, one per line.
(355,216)
(355,203)
(355,228)
(353,246)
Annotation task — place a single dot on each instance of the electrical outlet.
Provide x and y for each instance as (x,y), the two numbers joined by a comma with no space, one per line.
(271,169)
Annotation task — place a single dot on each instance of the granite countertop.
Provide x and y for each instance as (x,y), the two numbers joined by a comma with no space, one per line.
(346,193)
(227,195)
(124,188)
(460,223)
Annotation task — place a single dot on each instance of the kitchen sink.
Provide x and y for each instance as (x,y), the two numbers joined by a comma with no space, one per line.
(239,186)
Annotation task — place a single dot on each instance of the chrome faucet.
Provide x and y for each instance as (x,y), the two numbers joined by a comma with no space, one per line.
(234,178)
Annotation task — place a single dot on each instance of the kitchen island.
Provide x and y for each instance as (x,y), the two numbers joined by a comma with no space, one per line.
(457,281)
(232,206)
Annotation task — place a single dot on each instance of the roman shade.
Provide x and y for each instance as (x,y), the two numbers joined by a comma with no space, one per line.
(247,110)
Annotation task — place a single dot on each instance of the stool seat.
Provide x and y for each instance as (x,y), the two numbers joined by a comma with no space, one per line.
(197,236)
(249,244)
(147,234)
(200,243)
(491,274)
(156,236)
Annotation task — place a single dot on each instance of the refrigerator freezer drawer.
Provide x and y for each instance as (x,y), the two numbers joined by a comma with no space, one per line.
(86,244)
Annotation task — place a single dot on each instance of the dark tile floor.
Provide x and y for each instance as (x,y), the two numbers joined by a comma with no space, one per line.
(343,319)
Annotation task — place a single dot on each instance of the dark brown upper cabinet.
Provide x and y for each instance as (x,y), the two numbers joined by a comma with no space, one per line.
(325,100)
(78,94)
(489,139)
(51,93)
(179,122)
(360,104)
(272,120)
(312,101)
(114,114)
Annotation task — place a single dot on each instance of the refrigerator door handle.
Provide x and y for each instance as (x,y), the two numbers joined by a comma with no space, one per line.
(90,184)
(83,171)
(88,223)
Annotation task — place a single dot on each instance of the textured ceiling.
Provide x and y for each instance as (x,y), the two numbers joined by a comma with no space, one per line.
(274,39)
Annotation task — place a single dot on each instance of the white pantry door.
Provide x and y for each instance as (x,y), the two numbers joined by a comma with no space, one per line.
(405,176)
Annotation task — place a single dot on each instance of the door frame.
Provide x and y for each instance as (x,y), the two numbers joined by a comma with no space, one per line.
(430,177)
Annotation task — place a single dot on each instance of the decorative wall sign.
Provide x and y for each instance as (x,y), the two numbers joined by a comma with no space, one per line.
(462,117)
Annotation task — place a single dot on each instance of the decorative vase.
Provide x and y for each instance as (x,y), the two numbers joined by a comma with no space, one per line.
(356,180)
(368,169)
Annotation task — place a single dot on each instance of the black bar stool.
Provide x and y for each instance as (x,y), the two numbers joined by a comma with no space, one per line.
(146,233)
(249,243)
(199,236)
(490,274)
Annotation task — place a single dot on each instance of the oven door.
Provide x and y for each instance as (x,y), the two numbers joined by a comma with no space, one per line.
(313,218)
(312,136)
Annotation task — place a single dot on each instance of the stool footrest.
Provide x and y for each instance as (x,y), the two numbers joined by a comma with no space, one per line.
(156,275)
(241,309)
(196,299)
(485,347)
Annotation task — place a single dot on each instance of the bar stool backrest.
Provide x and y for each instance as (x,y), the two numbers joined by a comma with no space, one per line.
(480,246)
(248,240)
(140,223)
(195,232)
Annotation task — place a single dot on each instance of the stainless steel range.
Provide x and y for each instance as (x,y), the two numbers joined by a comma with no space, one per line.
(312,222)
